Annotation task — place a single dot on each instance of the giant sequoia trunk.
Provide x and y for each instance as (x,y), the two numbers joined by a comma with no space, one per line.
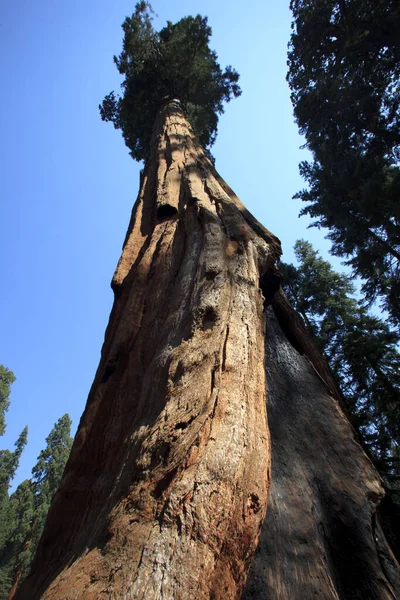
(165,491)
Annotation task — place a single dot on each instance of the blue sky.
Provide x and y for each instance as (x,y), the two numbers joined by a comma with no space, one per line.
(68,184)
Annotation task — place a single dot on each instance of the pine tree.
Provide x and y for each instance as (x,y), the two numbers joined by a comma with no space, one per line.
(47,473)
(344,60)
(15,553)
(8,465)
(9,462)
(7,378)
(29,505)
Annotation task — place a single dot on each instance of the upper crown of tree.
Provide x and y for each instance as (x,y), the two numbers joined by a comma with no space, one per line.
(175,62)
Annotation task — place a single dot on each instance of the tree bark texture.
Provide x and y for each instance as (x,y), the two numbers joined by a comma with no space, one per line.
(165,491)
(321,537)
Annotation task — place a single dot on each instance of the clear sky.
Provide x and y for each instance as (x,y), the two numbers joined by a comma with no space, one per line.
(68,183)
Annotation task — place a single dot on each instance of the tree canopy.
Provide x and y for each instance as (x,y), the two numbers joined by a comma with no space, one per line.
(175,62)
(344,67)
(361,351)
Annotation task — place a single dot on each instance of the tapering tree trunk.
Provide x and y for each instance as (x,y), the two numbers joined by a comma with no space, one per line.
(165,491)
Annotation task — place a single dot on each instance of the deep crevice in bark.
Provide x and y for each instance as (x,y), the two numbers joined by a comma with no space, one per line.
(270,282)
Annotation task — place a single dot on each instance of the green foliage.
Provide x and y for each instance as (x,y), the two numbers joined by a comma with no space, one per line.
(7,378)
(27,507)
(361,351)
(49,468)
(23,514)
(9,462)
(175,62)
(344,67)
(15,552)
(47,475)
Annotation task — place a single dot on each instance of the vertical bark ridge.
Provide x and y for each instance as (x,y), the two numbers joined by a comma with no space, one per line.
(166,488)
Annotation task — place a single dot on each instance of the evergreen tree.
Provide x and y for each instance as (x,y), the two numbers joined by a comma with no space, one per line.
(9,462)
(7,378)
(15,552)
(8,521)
(28,507)
(48,471)
(361,350)
(175,62)
(344,61)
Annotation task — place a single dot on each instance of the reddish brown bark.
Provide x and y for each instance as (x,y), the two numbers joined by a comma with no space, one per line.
(15,584)
(165,491)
